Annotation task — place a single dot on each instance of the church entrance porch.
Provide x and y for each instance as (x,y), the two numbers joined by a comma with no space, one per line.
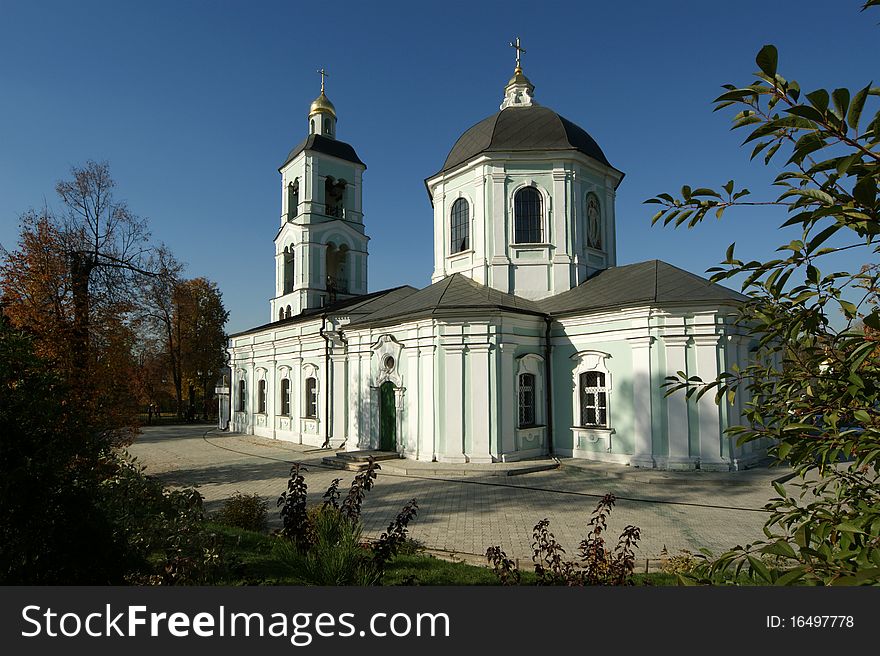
(387,417)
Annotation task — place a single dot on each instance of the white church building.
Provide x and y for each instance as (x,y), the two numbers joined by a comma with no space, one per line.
(530,341)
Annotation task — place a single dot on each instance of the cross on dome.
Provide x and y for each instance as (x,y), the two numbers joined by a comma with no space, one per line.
(519,50)
(518,92)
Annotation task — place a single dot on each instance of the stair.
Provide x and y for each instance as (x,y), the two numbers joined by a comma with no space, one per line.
(358,460)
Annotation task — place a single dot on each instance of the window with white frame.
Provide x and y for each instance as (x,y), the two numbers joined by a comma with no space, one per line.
(261,397)
(530,391)
(594,400)
(526,400)
(242,398)
(591,385)
(311,392)
(459,226)
(285,396)
(528,216)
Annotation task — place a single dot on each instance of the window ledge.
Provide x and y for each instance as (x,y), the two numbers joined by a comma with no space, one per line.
(469,251)
(541,244)
(592,435)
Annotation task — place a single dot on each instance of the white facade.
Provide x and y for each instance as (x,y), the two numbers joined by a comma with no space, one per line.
(514,351)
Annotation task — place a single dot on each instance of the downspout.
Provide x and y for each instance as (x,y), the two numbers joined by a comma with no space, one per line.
(327,380)
(548,377)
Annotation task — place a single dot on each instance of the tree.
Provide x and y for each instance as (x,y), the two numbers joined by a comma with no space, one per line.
(36,289)
(813,389)
(106,245)
(187,316)
(160,311)
(204,340)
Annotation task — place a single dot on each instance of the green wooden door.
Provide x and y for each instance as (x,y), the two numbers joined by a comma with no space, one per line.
(387,418)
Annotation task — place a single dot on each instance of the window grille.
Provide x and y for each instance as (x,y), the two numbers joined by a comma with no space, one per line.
(528,217)
(526,400)
(261,397)
(594,399)
(311,398)
(285,396)
(460,227)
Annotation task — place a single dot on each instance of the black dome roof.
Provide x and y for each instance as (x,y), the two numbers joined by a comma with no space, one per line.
(519,129)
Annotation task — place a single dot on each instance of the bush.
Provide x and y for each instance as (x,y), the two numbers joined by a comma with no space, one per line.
(325,543)
(247,511)
(597,565)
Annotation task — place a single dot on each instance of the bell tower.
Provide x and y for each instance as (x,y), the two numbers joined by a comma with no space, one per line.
(321,246)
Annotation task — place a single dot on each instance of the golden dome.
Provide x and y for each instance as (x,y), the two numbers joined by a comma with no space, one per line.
(519,78)
(322,105)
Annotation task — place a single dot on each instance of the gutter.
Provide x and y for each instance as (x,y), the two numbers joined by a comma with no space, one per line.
(327,381)
(548,377)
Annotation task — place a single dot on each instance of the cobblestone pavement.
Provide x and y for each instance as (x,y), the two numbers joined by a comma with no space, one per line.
(467,514)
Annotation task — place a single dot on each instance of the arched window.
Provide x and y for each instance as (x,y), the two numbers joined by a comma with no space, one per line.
(327,126)
(594,399)
(594,223)
(526,400)
(287,313)
(285,396)
(288,269)
(459,227)
(311,391)
(334,195)
(312,126)
(261,397)
(280,314)
(293,199)
(528,217)
(242,399)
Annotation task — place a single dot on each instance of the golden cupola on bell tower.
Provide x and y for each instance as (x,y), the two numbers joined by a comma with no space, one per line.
(322,113)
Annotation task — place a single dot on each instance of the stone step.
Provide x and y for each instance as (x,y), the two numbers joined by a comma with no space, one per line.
(348,465)
(364,456)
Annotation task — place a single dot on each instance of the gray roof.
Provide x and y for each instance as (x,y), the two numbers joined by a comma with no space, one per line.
(355,307)
(453,293)
(520,129)
(321,144)
(646,283)
(653,282)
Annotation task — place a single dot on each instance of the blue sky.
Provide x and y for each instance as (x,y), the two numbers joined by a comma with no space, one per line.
(195,105)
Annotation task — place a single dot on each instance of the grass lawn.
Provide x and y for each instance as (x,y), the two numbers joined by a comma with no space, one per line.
(255,563)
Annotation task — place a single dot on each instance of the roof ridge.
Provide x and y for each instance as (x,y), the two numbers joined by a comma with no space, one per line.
(445,289)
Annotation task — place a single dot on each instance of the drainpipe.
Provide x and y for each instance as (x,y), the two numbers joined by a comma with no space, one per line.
(327,379)
(548,377)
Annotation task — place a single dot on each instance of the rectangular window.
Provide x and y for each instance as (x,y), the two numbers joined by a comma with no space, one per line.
(311,398)
(241,396)
(285,396)
(526,400)
(594,399)
(261,397)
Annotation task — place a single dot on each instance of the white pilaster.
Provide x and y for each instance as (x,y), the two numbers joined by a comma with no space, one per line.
(338,405)
(478,369)
(642,411)
(506,403)
(427,444)
(478,228)
(499,260)
(709,420)
(676,406)
(412,403)
(353,391)
(453,403)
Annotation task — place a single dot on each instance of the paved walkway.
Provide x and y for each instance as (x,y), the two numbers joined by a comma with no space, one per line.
(467,514)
